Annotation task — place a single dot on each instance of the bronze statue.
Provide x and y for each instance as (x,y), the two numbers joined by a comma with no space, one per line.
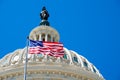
(44,14)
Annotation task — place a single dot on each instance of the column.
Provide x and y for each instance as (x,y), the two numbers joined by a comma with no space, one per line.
(46,37)
(34,37)
(40,38)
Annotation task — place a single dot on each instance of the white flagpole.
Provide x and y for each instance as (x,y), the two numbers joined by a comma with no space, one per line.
(26,56)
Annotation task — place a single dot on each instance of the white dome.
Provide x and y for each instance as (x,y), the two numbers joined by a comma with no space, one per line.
(71,59)
(71,66)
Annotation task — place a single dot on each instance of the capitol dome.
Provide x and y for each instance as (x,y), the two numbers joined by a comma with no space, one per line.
(72,66)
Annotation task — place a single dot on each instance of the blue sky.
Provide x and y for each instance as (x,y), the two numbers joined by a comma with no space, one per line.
(89,27)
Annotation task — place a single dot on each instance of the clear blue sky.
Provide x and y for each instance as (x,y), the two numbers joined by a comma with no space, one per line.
(89,27)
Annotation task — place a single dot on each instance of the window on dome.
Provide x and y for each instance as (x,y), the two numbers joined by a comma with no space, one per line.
(94,69)
(65,56)
(75,59)
(40,55)
(49,38)
(85,63)
(43,37)
(53,39)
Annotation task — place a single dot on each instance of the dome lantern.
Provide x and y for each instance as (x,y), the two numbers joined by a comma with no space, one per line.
(44,32)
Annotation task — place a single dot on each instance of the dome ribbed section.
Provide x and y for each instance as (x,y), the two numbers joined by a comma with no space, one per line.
(71,60)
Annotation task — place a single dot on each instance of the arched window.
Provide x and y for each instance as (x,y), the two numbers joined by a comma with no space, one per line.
(49,38)
(85,63)
(94,70)
(43,37)
(40,55)
(53,39)
(65,56)
(75,59)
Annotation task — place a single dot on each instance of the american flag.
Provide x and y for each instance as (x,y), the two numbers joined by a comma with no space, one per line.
(48,48)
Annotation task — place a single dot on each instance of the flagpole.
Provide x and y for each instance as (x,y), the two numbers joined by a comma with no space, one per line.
(26,55)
